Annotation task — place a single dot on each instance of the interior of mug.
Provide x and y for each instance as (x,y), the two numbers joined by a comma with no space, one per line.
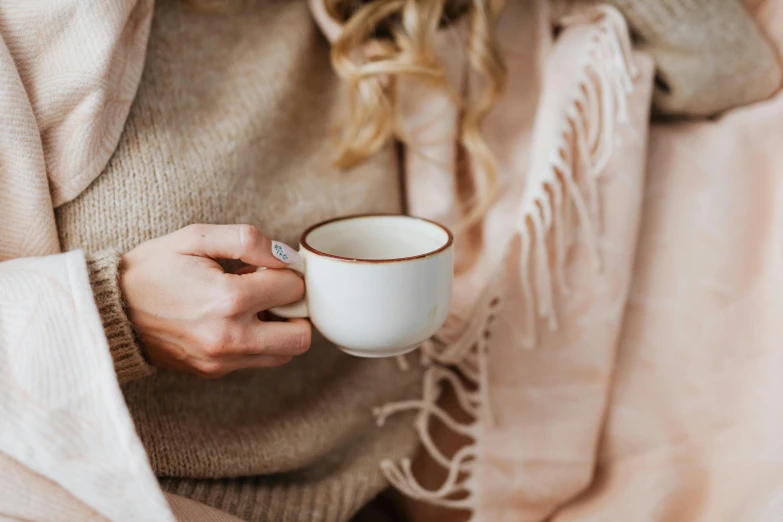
(377,238)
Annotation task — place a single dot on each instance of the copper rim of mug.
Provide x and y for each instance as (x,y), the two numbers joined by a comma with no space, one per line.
(312,228)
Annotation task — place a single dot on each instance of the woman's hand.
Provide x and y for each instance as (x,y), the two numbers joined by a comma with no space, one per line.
(193,316)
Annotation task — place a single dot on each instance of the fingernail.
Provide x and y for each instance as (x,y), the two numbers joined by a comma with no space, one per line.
(285,253)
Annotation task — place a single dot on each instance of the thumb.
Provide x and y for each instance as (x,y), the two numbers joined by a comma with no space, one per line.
(243,242)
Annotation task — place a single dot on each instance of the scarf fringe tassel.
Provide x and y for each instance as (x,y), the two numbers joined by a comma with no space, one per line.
(562,204)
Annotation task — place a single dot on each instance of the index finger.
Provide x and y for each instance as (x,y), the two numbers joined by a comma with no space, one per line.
(243,242)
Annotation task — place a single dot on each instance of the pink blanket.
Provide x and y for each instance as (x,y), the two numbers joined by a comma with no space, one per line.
(650,387)
(692,431)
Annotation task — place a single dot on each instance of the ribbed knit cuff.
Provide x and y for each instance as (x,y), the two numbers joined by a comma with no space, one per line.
(129,363)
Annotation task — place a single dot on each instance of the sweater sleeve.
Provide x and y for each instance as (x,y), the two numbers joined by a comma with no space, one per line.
(129,361)
(710,55)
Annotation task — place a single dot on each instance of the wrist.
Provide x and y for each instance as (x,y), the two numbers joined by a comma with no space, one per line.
(105,269)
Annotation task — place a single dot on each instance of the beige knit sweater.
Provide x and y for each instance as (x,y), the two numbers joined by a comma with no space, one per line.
(230,125)
(710,55)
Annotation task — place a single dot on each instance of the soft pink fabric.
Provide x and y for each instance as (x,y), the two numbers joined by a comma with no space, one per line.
(661,408)
(693,431)
(549,402)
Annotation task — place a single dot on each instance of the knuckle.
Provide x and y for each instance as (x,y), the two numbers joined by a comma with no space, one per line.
(300,342)
(280,361)
(192,236)
(286,284)
(233,299)
(250,237)
(289,344)
(297,285)
(210,369)
(195,231)
(217,342)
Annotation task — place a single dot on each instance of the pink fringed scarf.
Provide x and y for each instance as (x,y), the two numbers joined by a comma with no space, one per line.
(566,226)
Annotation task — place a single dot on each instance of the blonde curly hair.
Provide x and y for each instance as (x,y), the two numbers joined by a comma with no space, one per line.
(382,40)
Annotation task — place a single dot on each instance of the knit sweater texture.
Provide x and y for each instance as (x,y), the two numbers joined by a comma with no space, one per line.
(231,124)
(710,55)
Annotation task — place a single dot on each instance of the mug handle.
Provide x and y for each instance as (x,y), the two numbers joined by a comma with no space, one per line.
(297,310)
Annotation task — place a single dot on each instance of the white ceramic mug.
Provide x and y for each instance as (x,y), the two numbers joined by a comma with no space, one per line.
(376,285)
